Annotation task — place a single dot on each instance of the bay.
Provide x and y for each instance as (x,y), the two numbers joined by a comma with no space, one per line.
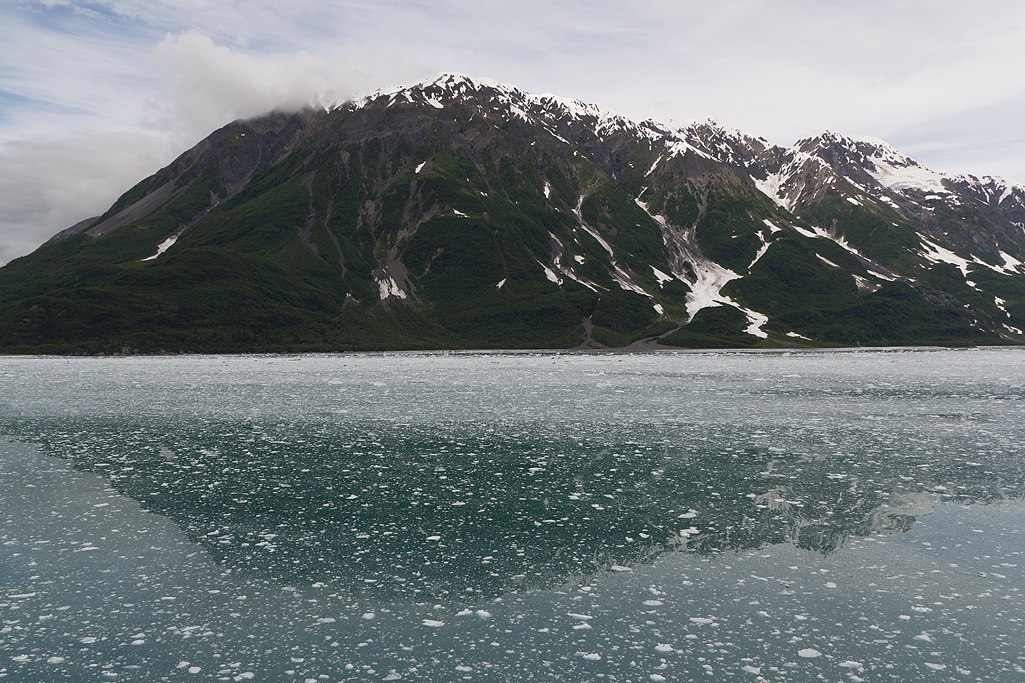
(781,516)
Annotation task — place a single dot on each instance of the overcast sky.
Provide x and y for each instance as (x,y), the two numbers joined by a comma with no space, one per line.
(95,95)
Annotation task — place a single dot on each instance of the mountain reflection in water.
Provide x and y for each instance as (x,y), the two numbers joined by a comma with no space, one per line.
(443,509)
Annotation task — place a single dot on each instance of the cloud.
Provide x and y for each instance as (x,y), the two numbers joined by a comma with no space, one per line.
(983,140)
(211,85)
(49,184)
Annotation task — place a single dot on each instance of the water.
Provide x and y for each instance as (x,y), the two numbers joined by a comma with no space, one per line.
(446,517)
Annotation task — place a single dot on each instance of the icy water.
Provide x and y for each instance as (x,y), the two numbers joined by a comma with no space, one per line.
(514,517)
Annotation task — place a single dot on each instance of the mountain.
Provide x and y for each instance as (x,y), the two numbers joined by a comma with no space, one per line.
(463,213)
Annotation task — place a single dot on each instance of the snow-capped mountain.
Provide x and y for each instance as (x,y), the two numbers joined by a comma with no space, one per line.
(460,212)
(790,176)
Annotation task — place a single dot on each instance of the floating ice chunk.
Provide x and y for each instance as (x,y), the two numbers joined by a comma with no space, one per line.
(368,615)
(850,665)
(936,667)
(809,653)
(88,640)
(590,656)
(653,603)
(55,660)
(434,538)
(662,647)
(463,669)
(620,568)
(830,584)
(925,637)
(483,614)
(581,617)
(464,613)
(433,623)
(195,669)
(657,677)
(751,669)
(701,620)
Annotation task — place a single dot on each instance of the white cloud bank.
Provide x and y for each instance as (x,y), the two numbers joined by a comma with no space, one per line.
(211,85)
(48,184)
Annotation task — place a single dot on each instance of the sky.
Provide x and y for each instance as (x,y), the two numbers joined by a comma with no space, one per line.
(95,95)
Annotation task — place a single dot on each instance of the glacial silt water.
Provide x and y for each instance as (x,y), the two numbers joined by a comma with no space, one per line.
(849,515)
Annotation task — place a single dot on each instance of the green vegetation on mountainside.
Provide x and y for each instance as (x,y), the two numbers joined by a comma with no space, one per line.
(401,226)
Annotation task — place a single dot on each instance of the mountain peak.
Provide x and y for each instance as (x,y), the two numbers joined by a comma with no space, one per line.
(853,156)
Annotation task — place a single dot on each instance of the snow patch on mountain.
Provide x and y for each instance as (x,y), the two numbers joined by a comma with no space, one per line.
(772,187)
(706,290)
(936,254)
(558,251)
(827,261)
(162,247)
(621,277)
(591,231)
(544,110)
(761,250)
(1012,266)
(904,176)
(660,276)
(550,274)
(387,287)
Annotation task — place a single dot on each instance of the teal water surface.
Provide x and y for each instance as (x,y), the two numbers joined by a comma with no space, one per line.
(439,517)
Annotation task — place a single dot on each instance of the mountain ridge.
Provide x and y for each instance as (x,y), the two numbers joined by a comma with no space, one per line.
(463,213)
